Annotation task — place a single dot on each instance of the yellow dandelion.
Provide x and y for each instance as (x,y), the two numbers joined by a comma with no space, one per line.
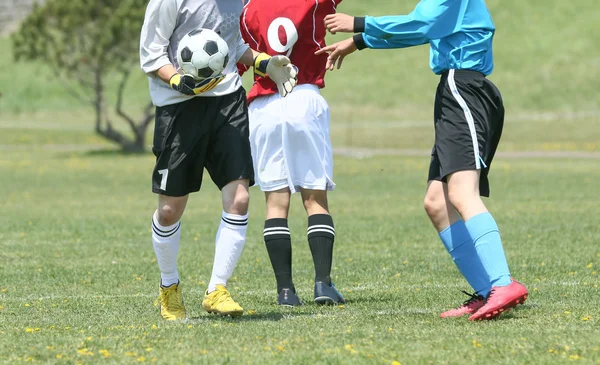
(204,352)
(49,347)
(567,312)
(29,330)
(574,357)
(1,307)
(130,354)
(279,347)
(267,348)
(154,327)
(252,311)
(104,353)
(190,326)
(141,359)
(341,306)
(586,318)
(27,305)
(396,362)
(59,356)
(4,290)
(148,349)
(589,266)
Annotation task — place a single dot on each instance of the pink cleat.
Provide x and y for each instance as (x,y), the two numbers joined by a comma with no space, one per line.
(470,306)
(500,300)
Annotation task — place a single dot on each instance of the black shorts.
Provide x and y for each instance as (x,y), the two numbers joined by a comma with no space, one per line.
(468,117)
(203,132)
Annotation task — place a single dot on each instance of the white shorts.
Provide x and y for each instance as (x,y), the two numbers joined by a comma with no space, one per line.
(290,141)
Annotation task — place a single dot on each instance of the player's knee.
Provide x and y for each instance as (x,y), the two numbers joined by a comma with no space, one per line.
(434,204)
(458,199)
(168,215)
(237,203)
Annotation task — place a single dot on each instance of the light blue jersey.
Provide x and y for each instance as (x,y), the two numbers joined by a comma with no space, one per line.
(459,32)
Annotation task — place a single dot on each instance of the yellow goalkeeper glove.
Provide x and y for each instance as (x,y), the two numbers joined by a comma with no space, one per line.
(186,84)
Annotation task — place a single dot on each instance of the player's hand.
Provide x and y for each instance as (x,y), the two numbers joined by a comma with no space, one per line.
(337,52)
(186,84)
(280,69)
(339,23)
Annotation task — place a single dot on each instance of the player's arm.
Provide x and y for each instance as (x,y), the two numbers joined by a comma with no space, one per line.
(431,19)
(159,23)
(278,68)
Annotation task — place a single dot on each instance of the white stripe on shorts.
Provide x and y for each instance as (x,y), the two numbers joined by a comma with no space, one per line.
(468,116)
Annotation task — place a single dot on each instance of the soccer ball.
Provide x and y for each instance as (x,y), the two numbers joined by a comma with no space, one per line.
(203,54)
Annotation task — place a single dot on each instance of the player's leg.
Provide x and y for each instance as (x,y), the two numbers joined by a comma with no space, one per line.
(279,245)
(463,192)
(229,163)
(474,120)
(173,182)
(455,237)
(166,234)
(321,236)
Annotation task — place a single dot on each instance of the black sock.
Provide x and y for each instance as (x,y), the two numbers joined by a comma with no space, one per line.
(320,239)
(279,246)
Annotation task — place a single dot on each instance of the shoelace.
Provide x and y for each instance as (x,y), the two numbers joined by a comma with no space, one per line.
(221,296)
(173,299)
(473,298)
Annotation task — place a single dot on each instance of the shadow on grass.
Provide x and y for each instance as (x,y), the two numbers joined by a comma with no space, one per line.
(257,317)
(112,153)
(102,153)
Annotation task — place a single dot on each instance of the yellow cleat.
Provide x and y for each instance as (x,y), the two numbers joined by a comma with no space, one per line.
(170,302)
(220,302)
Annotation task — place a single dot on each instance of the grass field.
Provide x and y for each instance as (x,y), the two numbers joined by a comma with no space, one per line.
(78,276)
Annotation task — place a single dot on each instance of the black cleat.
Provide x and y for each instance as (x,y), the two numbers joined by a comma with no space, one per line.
(327,294)
(288,298)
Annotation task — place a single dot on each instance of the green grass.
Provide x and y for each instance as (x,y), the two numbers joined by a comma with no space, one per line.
(79,275)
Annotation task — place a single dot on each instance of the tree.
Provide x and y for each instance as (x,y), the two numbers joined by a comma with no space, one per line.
(84,42)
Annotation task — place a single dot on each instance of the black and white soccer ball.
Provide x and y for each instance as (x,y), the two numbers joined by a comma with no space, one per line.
(203,54)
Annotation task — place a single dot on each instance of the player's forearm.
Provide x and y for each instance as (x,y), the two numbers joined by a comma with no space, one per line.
(363,41)
(431,19)
(166,72)
(248,57)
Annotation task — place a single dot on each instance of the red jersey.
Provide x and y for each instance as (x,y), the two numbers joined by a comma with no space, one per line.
(294,28)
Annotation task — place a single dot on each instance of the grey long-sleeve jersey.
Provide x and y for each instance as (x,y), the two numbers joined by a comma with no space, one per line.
(167,21)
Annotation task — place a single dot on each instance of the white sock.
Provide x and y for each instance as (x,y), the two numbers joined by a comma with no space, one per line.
(166,244)
(231,237)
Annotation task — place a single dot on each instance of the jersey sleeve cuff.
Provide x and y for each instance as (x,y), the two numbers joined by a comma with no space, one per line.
(359,24)
(151,66)
(359,41)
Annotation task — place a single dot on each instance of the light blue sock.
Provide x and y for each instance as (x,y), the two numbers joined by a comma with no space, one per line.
(459,244)
(486,237)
